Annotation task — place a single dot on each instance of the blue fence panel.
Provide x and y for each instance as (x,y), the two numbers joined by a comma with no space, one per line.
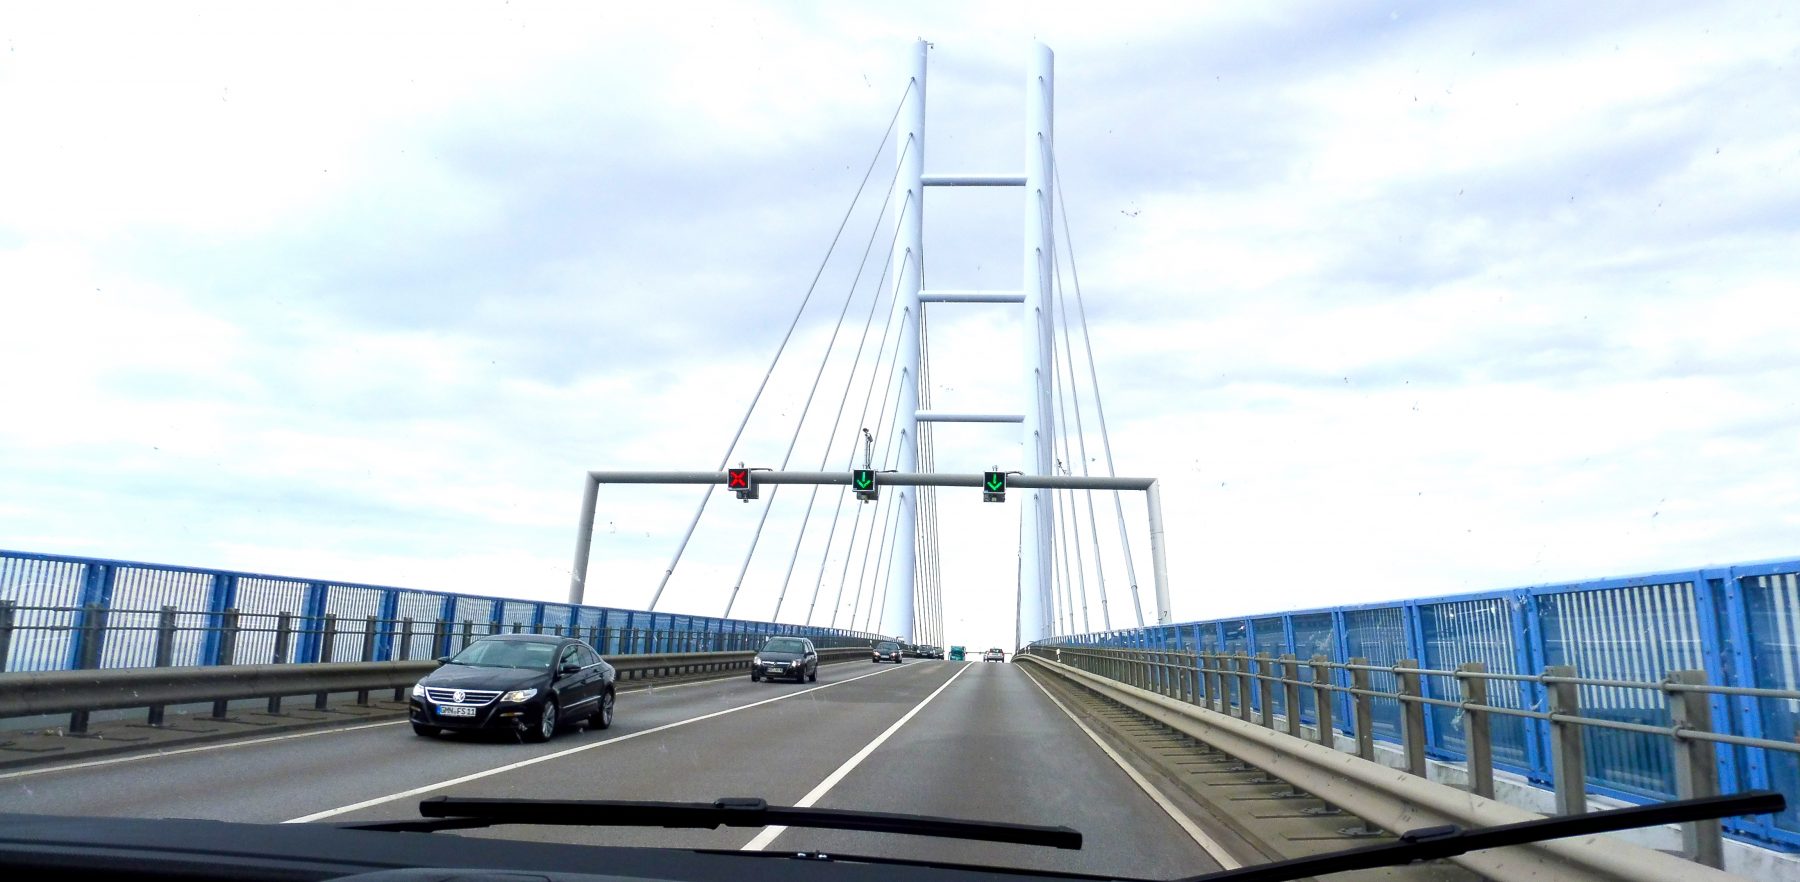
(352,605)
(517,616)
(260,603)
(138,595)
(1631,632)
(557,618)
(1464,631)
(44,638)
(1314,634)
(1379,634)
(1269,634)
(1772,605)
(424,609)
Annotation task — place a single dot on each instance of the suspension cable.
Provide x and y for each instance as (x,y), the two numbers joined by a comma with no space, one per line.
(844,397)
(800,424)
(1094,381)
(739,434)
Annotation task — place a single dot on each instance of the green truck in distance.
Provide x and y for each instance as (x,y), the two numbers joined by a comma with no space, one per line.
(956,653)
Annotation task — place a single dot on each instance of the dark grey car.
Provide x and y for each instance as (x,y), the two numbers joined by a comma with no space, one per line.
(526,683)
(786,657)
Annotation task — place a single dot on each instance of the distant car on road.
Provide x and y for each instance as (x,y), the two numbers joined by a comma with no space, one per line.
(792,657)
(995,654)
(526,683)
(956,653)
(886,650)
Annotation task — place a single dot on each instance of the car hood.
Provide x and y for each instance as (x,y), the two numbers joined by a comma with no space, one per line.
(780,656)
(473,677)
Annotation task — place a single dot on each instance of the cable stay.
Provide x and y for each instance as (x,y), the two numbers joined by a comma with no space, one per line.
(762,386)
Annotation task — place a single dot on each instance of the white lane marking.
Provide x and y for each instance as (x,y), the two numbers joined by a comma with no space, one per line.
(228,745)
(768,834)
(1207,844)
(499,770)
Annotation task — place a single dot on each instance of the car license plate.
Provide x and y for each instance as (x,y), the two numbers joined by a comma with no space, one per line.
(449,711)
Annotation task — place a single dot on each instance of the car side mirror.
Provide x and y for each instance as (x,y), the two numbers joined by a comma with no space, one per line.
(443,659)
(570,668)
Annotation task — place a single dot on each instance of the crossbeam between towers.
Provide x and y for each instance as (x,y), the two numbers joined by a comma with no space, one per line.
(584,534)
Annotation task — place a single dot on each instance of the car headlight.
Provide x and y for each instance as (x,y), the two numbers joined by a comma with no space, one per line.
(519,695)
(756,660)
(418,690)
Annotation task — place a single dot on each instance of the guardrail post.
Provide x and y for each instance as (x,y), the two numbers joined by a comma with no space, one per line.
(165,654)
(226,651)
(1241,664)
(1322,701)
(6,632)
(284,635)
(1290,675)
(1190,677)
(1568,762)
(1478,732)
(1696,766)
(403,652)
(368,655)
(1266,686)
(327,642)
(1412,715)
(92,635)
(468,634)
(1363,705)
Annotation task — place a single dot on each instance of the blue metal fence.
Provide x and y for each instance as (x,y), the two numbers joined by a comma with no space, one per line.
(76,612)
(1740,624)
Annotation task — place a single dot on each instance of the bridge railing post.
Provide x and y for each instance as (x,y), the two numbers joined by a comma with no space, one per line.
(1363,705)
(6,632)
(1216,683)
(1696,765)
(227,653)
(165,654)
(368,655)
(1322,701)
(403,652)
(327,649)
(1290,676)
(1478,730)
(1412,715)
(1190,672)
(1266,688)
(284,638)
(468,634)
(1246,707)
(1568,760)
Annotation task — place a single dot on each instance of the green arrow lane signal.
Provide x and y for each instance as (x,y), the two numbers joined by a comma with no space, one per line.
(996,481)
(863,481)
(994,488)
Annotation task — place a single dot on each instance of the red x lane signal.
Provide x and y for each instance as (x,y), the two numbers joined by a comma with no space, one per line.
(739,481)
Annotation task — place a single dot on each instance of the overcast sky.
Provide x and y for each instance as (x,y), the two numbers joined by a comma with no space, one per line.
(1397,299)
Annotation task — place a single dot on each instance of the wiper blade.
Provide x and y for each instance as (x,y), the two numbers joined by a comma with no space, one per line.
(461,813)
(1434,843)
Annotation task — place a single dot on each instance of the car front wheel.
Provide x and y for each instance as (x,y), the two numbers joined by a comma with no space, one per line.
(603,718)
(755,677)
(546,723)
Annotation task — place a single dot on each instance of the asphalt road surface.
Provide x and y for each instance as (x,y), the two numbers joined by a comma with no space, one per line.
(970,740)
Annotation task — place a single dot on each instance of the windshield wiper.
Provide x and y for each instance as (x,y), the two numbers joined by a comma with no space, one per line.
(1434,843)
(462,813)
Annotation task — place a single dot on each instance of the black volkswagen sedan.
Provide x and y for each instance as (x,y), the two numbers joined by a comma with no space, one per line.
(528,683)
(786,657)
(886,650)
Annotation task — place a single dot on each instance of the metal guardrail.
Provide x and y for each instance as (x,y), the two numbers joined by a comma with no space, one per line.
(1270,693)
(78,693)
(1357,784)
(111,638)
(64,613)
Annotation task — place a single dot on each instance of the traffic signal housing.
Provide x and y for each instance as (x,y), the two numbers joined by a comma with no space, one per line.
(863,482)
(740,481)
(993,487)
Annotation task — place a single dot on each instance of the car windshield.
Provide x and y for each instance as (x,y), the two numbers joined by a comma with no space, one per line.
(506,654)
(1415,379)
